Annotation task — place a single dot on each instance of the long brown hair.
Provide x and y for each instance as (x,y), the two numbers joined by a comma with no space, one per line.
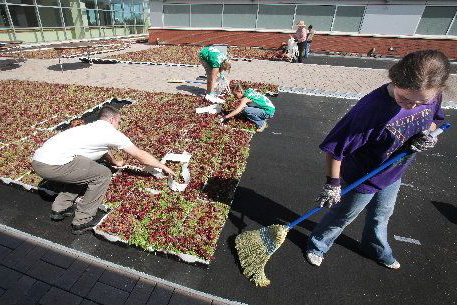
(427,69)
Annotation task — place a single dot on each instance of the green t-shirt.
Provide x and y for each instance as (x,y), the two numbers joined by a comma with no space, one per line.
(212,56)
(260,101)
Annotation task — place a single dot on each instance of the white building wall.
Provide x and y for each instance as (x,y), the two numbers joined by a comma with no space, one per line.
(382,17)
(391,19)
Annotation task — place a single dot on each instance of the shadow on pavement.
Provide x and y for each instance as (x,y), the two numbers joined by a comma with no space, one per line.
(192,89)
(266,212)
(447,210)
(10,64)
(69,66)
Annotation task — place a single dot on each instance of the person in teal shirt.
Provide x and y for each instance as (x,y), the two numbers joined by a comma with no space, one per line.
(254,105)
(214,62)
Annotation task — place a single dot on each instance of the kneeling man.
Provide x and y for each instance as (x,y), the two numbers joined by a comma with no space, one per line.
(69,157)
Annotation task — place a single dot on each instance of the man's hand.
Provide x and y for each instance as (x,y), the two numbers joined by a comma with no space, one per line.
(329,196)
(423,142)
(169,172)
(118,163)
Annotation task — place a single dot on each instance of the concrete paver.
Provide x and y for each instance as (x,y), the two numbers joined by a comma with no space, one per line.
(154,78)
(39,272)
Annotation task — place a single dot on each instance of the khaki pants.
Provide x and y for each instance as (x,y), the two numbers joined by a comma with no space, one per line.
(76,175)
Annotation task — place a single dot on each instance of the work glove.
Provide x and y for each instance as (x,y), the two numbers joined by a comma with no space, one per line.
(330,194)
(423,141)
(222,120)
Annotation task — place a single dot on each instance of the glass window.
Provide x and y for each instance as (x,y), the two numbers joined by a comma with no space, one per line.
(23,16)
(91,18)
(72,17)
(206,15)
(29,35)
(50,17)
(105,18)
(176,15)
(3,17)
(131,30)
(70,3)
(453,29)
(240,15)
(275,16)
(348,18)
(20,1)
(118,18)
(103,4)
(128,6)
(76,33)
(129,18)
(436,20)
(88,4)
(319,16)
(48,2)
(116,5)
(138,8)
(139,19)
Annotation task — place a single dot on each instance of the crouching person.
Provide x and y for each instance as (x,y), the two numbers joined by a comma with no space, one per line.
(254,105)
(69,157)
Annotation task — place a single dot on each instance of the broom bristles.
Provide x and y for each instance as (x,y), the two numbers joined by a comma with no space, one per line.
(255,249)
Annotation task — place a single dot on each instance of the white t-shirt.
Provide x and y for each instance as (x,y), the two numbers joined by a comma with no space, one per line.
(92,140)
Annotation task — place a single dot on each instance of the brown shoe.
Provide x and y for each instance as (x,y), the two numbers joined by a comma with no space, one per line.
(265,125)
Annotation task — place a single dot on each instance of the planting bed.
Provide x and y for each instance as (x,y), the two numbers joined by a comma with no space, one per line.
(188,55)
(144,211)
(101,46)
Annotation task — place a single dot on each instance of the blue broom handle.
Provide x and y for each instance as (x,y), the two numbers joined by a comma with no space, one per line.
(374,172)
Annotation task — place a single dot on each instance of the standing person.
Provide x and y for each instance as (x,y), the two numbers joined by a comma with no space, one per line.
(254,105)
(300,36)
(309,40)
(69,157)
(403,111)
(214,62)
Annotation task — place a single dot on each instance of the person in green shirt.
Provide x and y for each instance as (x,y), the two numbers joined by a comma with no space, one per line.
(214,62)
(254,105)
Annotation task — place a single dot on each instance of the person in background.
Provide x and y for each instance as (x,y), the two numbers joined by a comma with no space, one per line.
(300,36)
(214,62)
(70,157)
(309,40)
(400,114)
(254,105)
(281,53)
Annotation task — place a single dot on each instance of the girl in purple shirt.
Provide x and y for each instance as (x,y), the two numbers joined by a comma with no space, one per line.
(399,114)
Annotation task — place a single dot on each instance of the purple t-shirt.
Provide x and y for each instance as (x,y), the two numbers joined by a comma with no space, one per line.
(372,131)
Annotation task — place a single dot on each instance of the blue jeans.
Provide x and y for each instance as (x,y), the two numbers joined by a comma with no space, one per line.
(374,244)
(256,115)
(307,46)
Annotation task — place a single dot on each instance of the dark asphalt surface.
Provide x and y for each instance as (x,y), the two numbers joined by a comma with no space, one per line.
(283,175)
(361,62)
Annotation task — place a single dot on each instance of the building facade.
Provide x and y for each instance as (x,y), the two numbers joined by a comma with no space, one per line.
(386,17)
(36,21)
(53,20)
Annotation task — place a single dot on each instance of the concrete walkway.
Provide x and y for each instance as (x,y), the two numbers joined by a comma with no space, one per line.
(356,80)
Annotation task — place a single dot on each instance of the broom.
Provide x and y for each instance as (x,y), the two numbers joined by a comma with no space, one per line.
(256,247)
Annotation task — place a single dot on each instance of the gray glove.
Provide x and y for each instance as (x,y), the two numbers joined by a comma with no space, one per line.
(423,142)
(329,196)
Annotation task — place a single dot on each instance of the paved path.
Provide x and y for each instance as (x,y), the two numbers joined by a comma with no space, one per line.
(36,271)
(357,80)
